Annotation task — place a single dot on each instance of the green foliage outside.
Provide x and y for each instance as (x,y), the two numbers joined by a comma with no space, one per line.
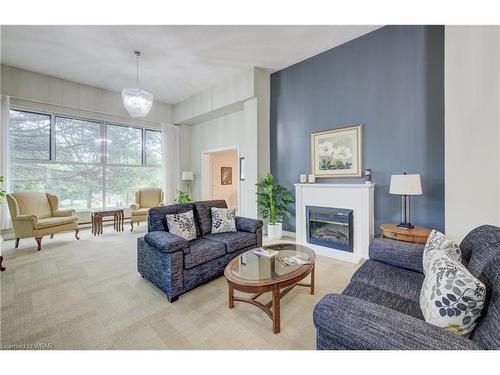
(273,200)
(183,197)
(2,192)
(79,172)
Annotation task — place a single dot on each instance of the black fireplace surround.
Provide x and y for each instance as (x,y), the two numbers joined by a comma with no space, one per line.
(330,227)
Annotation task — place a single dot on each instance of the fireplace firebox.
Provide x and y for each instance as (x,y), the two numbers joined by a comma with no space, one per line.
(330,227)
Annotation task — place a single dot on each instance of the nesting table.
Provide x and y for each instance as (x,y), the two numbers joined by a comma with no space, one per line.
(97,216)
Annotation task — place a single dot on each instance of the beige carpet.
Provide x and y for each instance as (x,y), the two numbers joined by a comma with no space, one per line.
(87,294)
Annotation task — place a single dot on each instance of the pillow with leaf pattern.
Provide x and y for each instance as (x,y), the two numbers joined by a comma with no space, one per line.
(223,220)
(439,243)
(182,225)
(451,297)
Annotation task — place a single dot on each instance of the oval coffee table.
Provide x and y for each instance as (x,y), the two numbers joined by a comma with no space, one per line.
(251,273)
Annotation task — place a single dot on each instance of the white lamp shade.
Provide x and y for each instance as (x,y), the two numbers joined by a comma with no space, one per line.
(405,184)
(187,176)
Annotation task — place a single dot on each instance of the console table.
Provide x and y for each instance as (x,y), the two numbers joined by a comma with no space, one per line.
(97,216)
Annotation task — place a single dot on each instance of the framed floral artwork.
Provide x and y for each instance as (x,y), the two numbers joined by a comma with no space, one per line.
(337,152)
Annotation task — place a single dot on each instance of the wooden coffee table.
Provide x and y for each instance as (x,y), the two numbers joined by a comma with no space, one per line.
(97,216)
(250,273)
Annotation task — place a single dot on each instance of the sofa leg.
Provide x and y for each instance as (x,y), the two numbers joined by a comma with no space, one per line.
(17,242)
(39,243)
(52,236)
(76,234)
(172,299)
(131,225)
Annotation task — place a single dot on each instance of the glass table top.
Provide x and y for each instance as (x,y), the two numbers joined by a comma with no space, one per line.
(251,266)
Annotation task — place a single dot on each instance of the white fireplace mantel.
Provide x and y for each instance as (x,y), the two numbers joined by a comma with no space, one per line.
(356,197)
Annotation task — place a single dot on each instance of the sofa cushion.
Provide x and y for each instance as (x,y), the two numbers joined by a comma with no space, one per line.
(389,286)
(400,281)
(394,301)
(234,241)
(479,247)
(50,222)
(223,220)
(203,214)
(203,250)
(182,225)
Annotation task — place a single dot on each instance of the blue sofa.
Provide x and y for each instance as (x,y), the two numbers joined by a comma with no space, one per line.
(175,265)
(380,309)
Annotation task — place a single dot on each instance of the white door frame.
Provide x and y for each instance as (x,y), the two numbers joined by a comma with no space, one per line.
(206,178)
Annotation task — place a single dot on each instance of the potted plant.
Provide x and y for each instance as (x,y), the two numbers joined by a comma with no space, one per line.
(183,197)
(273,201)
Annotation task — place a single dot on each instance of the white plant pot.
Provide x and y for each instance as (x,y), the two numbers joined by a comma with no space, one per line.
(275,231)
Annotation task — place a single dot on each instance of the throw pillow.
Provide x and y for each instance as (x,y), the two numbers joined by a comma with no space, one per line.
(451,298)
(439,243)
(182,225)
(223,220)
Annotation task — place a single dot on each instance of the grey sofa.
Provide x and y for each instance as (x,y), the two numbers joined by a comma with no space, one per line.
(380,309)
(175,265)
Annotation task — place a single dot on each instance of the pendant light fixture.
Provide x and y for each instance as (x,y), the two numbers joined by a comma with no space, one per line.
(137,102)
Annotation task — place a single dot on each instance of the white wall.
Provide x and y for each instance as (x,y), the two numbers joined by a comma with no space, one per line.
(232,114)
(472,128)
(45,93)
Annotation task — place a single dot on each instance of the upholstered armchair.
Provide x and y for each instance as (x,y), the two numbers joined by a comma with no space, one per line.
(145,199)
(37,214)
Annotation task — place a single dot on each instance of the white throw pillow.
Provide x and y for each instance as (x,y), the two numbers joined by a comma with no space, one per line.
(223,220)
(182,225)
(450,298)
(439,243)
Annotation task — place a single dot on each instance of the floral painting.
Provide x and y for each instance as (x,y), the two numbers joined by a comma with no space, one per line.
(337,152)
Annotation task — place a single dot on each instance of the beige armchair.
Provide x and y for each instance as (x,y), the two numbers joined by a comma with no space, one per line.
(37,214)
(145,199)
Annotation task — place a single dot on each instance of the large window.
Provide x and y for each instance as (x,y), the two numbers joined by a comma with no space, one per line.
(88,164)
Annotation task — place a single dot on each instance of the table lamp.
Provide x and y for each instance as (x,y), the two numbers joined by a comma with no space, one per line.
(188,176)
(405,185)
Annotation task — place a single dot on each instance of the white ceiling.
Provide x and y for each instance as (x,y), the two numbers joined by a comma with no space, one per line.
(177,61)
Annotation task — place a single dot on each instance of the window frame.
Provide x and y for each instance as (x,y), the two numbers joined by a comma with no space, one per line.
(104,145)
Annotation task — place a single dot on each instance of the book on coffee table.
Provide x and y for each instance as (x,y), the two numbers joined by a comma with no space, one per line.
(260,251)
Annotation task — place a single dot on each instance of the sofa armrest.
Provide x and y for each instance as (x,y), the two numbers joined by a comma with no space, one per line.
(166,242)
(28,217)
(63,213)
(397,253)
(350,322)
(135,206)
(244,224)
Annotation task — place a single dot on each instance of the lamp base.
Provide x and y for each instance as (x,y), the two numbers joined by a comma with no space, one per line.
(405,225)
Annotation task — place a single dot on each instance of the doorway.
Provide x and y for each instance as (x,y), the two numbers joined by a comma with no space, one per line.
(220,176)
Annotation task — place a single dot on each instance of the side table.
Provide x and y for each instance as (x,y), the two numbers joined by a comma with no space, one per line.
(416,234)
(118,220)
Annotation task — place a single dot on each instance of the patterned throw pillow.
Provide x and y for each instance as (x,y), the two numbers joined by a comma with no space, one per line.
(439,243)
(223,220)
(450,298)
(182,225)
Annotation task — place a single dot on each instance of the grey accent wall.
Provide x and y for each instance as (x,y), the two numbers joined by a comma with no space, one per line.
(392,82)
